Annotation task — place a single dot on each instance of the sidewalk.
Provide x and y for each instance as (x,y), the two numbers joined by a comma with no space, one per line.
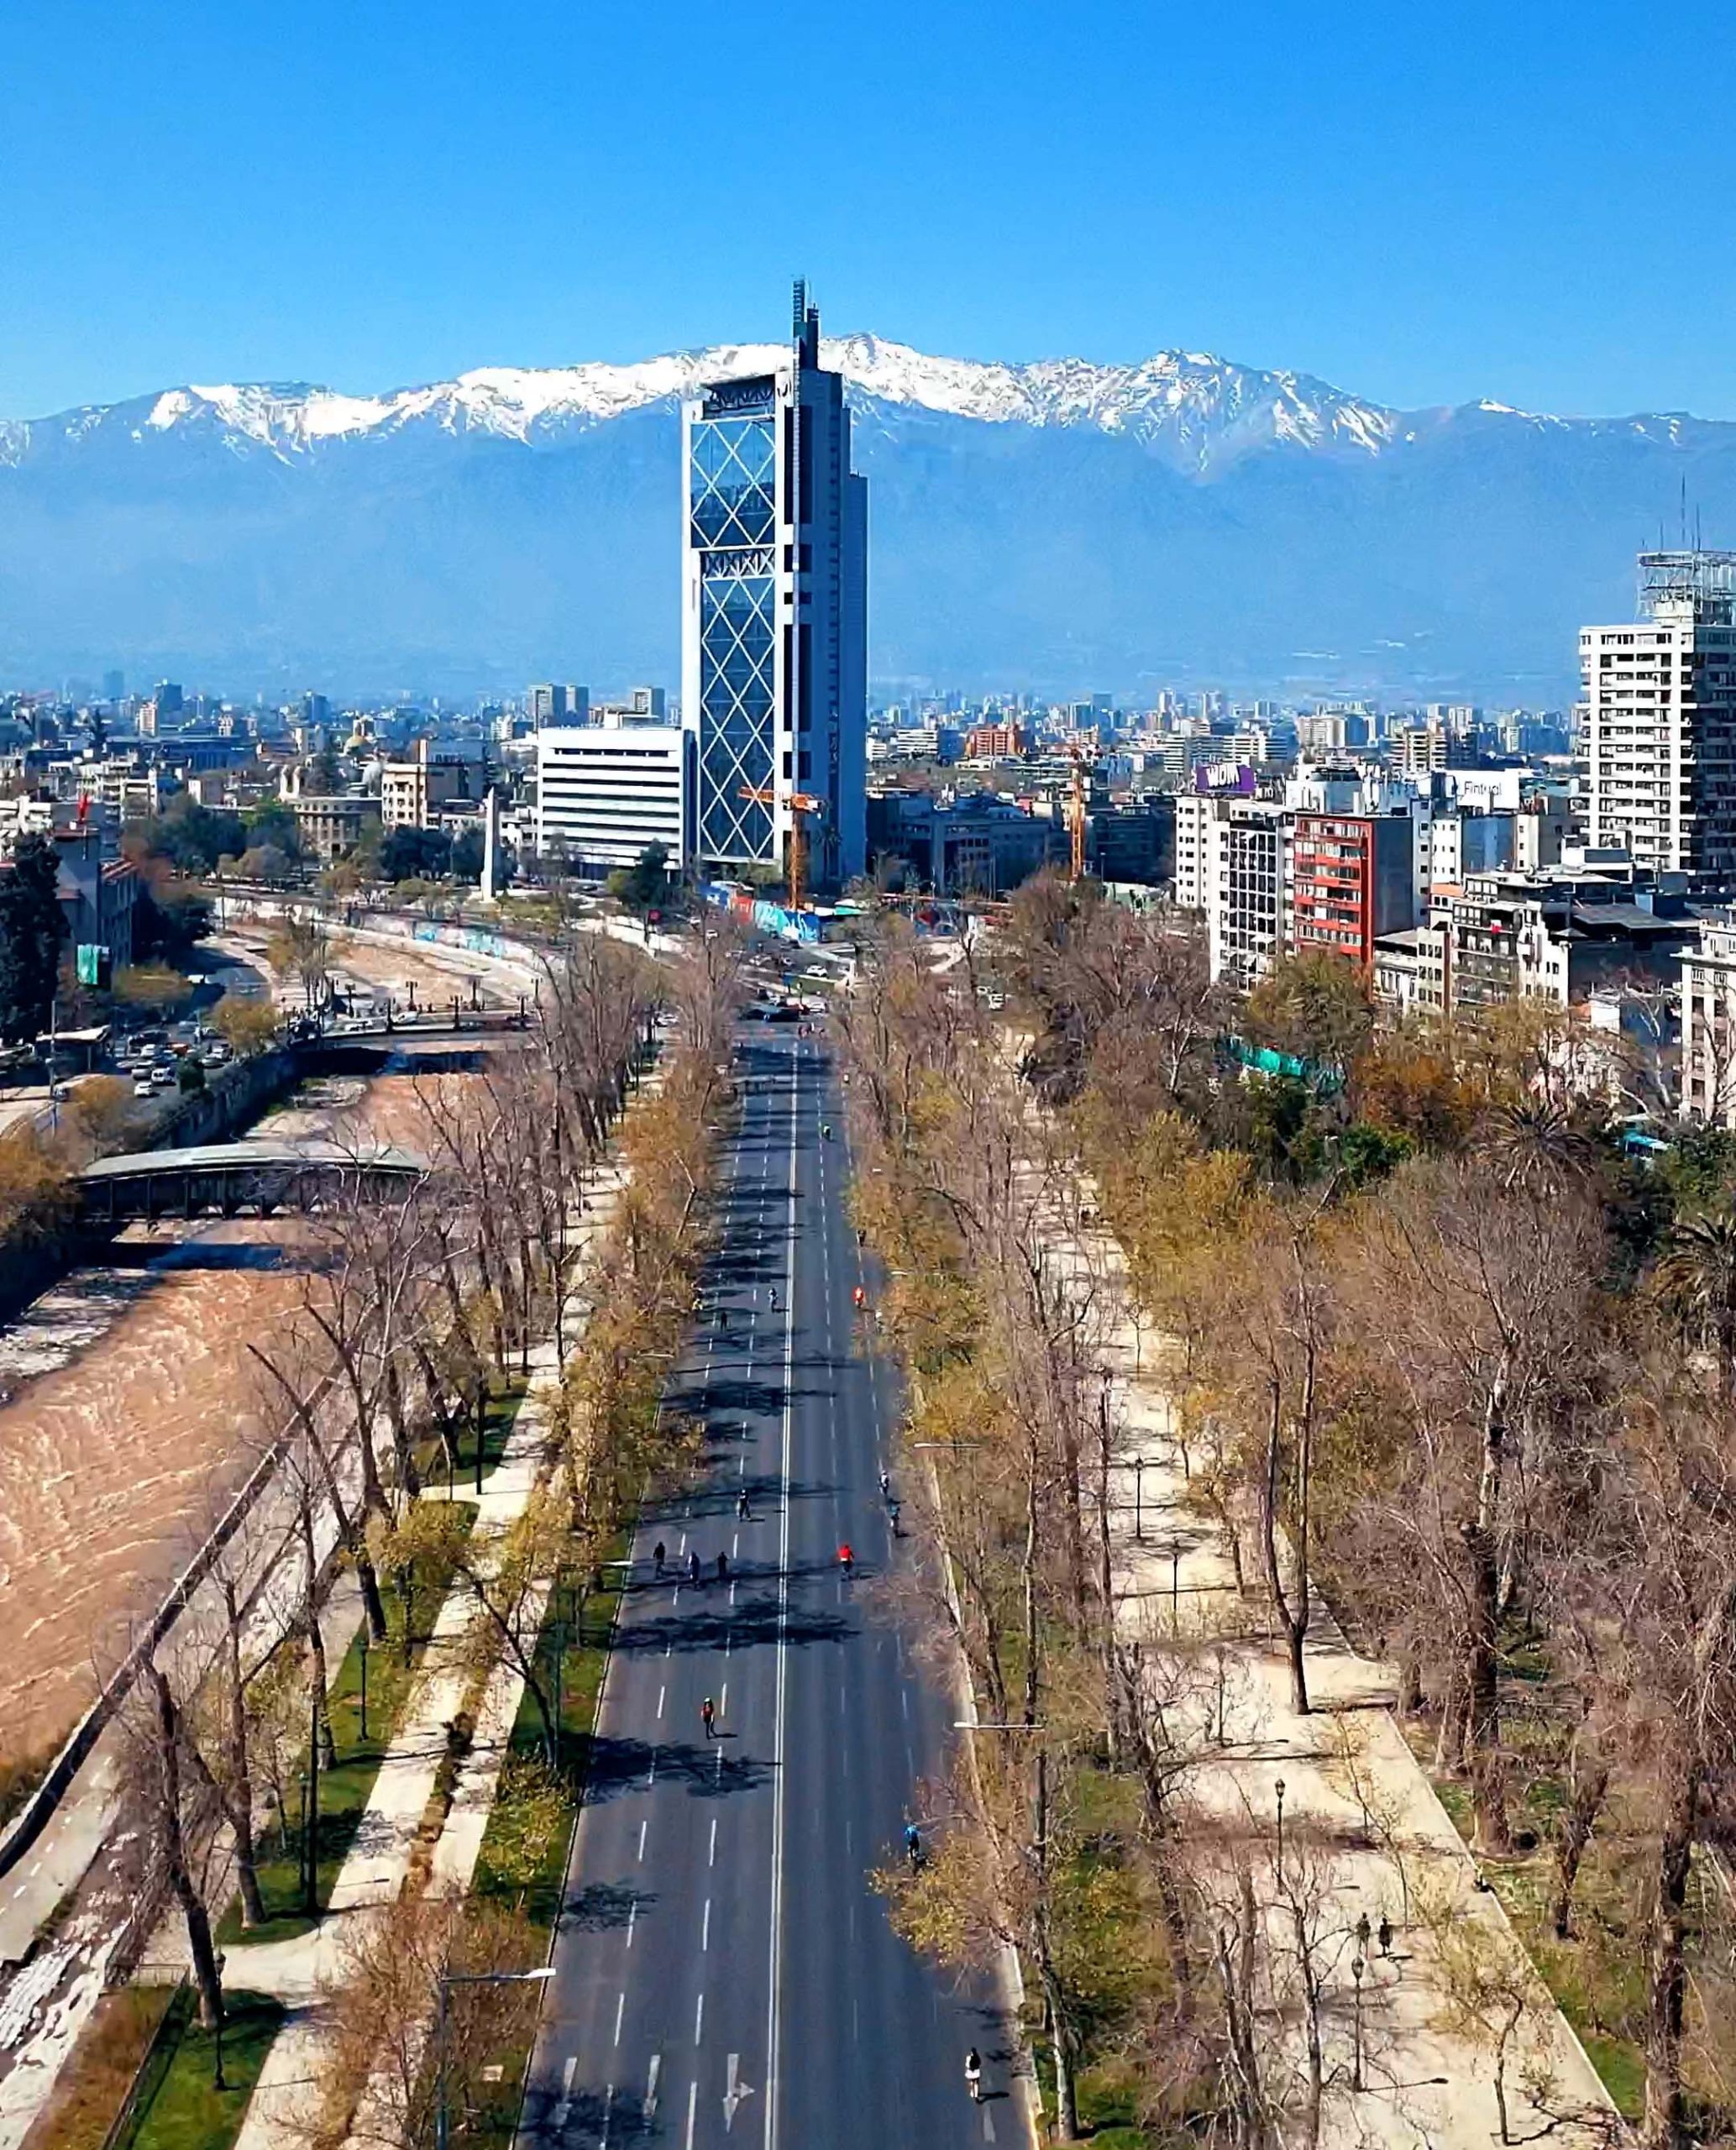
(1424,2083)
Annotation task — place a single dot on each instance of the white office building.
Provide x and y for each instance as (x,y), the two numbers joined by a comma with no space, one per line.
(1660,718)
(774,620)
(607,791)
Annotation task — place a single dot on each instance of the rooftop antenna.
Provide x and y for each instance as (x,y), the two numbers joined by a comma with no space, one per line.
(804,322)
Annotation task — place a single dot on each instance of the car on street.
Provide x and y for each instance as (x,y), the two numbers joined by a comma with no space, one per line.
(142,1086)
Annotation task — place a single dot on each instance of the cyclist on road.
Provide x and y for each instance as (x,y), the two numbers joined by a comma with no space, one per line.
(774,1297)
(706,1714)
(974,2075)
(859,1298)
(891,1510)
(846,1561)
(693,1567)
(658,1555)
(913,1846)
(885,1486)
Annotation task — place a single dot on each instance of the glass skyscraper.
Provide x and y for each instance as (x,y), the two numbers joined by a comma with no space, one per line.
(774,591)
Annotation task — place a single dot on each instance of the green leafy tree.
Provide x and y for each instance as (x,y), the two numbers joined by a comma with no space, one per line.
(645,884)
(32,928)
(409,854)
(273,823)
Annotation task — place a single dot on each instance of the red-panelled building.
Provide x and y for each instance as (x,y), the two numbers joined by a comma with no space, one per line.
(1354,877)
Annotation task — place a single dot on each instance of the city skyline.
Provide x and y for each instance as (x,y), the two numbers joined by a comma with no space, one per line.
(1379,207)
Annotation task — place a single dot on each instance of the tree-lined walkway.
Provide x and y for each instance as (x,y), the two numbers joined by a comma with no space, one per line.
(1327,1814)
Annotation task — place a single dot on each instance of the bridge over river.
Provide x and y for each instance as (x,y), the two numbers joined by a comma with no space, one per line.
(225,1178)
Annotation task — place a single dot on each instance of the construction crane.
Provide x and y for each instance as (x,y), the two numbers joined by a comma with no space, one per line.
(1078,821)
(800,804)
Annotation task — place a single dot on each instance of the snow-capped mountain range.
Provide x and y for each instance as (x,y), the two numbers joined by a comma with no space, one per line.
(1058,523)
(1198,409)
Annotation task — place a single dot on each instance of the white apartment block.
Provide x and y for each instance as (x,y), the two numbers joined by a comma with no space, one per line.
(1708,1026)
(1659,717)
(1194,815)
(607,791)
(1246,914)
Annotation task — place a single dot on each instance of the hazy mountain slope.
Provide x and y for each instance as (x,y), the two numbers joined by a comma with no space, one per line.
(1061,525)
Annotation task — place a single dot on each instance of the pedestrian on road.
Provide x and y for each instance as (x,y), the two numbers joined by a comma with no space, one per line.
(885,1486)
(742,1511)
(891,1510)
(706,1713)
(1384,1934)
(723,1567)
(847,1561)
(974,2075)
(658,1555)
(774,1299)
(693,1567)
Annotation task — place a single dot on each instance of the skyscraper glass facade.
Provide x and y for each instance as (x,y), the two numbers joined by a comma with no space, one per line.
(733,526)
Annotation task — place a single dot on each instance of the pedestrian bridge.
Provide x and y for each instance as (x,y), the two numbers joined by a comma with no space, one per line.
(226,1178)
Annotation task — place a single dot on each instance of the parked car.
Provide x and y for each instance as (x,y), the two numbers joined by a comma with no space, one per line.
(142,1086)
(162,1075)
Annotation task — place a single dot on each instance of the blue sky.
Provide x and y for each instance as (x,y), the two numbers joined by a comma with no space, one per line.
(1421,203)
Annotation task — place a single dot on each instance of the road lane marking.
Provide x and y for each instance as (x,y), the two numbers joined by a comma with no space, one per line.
(734,2092)
(608,2115)
(620,2010)
(723,1702)
(644,1826)
(776,1920)
(660,1692)
(712,1858)
(565,2106)
(693,2092)
(633,1913)
(651,2087)
(705,1928)
(699,2019)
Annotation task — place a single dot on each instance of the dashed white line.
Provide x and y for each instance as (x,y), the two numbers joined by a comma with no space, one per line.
(644,1826)
(699,2019)
(711,1857)
(633,1913)
(693,2092)
(620,2010)
(705,1928)
(723,1700)
(660,1692)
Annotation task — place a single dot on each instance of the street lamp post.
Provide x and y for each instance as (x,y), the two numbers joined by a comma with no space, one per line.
(1356,1971)
(1139,1487)
(467,1978)
(1279,1789)
(310,1885)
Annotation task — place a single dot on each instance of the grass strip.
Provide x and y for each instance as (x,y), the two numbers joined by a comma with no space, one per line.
(180,2107)
(522,1865)
(345,1790)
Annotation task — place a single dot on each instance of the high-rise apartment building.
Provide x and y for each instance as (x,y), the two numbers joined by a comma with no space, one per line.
(1658,719)
(775,625)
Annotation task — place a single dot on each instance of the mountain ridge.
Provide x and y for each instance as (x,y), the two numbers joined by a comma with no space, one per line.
(1206,410)
(1058,525)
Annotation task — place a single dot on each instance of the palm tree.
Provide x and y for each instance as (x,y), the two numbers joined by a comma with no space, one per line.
(1539,1146)
(1697,1275)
